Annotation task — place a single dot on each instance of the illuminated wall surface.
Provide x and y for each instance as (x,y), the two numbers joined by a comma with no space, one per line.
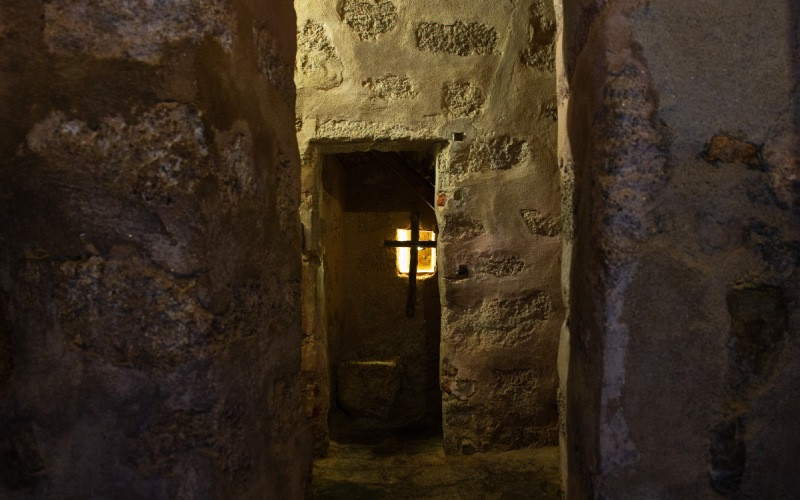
(475,87)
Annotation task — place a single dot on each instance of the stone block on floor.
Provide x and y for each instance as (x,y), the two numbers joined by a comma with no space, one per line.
(368,388)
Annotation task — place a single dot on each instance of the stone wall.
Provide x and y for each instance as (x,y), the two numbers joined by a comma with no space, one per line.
(149,262)
(477,87)
(680,139)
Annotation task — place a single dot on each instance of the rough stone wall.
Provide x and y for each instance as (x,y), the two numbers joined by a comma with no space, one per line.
(476,85)
(684,354)
(149,262)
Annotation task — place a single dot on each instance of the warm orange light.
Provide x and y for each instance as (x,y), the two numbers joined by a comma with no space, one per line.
(426,257)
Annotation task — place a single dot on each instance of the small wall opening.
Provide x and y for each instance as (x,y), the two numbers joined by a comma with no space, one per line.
(426,256)
(382,346)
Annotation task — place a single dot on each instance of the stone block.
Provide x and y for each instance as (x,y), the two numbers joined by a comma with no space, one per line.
(540,52)
(497,153)
(504,322)
(492,154)
(272,65)
(369,18)
(459,38)
(458,225)
(390,87)
(728,149)
(462,99)
(782,155)
(130,313)
(499,264)
(134,30)
(539,224)
(368,388)
(318,62)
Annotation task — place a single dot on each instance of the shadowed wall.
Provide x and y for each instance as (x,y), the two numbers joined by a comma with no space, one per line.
(683,344)
(149,251)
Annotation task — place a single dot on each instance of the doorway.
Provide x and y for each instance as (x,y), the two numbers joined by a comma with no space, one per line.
(381,329)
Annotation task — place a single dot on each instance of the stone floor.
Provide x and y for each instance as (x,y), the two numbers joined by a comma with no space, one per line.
(417,468)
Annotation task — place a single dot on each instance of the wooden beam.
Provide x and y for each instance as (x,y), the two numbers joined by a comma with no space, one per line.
(400,244)
(412,266)
(400,165)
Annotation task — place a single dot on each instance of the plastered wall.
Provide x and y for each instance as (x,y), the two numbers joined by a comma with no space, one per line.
(679,136)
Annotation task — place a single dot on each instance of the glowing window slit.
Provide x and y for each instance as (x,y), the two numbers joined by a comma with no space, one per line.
(426,257)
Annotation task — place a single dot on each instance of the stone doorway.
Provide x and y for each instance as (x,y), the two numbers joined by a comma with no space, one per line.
(373,373)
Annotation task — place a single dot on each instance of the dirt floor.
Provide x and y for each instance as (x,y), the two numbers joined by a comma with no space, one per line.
(393,467)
